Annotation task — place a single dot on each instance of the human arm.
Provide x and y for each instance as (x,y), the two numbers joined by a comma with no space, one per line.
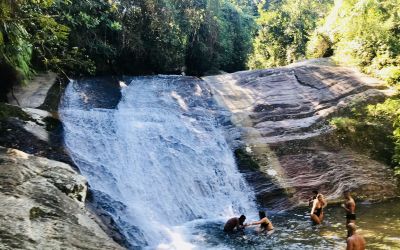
(240,226)
(345,208)
(314,206)
(258,222)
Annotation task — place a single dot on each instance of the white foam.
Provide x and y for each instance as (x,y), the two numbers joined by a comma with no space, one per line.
(165,160)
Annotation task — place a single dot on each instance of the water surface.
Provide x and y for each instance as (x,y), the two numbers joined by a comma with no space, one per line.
(379,223)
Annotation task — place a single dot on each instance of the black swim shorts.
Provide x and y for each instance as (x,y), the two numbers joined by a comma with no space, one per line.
(351,216)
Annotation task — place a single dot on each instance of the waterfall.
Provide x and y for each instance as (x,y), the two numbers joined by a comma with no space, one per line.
(161,156)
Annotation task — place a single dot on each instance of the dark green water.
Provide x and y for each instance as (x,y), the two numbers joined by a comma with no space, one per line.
(378,223)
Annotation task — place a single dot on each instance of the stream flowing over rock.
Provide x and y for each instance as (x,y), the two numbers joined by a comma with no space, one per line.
(42,206)
(159,162)
(282,115)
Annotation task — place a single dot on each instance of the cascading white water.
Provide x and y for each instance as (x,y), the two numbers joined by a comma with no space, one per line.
(161,153)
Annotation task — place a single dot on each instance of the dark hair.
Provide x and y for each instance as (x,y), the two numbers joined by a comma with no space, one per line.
(242,218)
(262,214)
(315,191)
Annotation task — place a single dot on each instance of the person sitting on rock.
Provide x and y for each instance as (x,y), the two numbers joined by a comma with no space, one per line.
(317,213)
(354,241)
(233,223)
(265,224)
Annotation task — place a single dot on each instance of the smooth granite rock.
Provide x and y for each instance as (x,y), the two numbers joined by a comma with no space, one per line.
(282,115)
(42,206)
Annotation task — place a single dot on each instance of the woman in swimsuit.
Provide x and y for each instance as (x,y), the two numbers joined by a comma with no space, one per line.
(264,222)
(317,213)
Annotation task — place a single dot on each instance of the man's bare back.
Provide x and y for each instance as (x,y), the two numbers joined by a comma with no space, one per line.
(355,242)
(234,223)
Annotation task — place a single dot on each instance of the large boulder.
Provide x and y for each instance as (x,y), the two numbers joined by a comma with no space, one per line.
(42,206)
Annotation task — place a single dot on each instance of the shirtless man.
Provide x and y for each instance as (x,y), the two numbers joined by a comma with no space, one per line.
(350,207)
(354,241)
(233,223)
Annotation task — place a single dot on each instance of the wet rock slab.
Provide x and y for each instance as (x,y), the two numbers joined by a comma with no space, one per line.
(282,117)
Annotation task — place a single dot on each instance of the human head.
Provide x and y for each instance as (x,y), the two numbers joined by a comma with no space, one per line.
(262,214)
(320,198)
(347,194)
(351,228)
(242,218)
(315,192)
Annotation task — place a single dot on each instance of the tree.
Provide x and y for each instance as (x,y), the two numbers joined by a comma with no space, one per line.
(284,30)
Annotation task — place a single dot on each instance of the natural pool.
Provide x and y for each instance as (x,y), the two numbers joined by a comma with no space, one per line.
(379,223)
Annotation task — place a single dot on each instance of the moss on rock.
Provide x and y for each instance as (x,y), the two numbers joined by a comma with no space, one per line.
(244,160)
(370,129)
(36,212)
(7,111)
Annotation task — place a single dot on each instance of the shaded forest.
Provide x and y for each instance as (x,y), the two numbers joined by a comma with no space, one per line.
(132,37)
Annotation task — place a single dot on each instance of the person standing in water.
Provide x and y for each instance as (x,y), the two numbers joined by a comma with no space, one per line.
(354,241)
(265,224)
(233,223)
(350,207)
(317,213)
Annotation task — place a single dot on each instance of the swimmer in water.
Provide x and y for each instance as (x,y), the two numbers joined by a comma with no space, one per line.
(317,213)
(265,224)
(234,223)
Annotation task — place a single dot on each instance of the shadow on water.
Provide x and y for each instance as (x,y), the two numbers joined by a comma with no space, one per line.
(378,223)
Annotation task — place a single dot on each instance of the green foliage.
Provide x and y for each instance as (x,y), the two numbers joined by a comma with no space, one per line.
(389,112)
(32,38)
(15,47)
(102,36)
(152,37)
(7,111)
(284,29)
(319,46)
(366,33)
(201,35)
(93,32)
(373,129)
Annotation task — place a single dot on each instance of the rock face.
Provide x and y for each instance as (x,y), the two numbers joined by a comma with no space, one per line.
(282,115)
(42,206)
(33,131)
(33,94)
